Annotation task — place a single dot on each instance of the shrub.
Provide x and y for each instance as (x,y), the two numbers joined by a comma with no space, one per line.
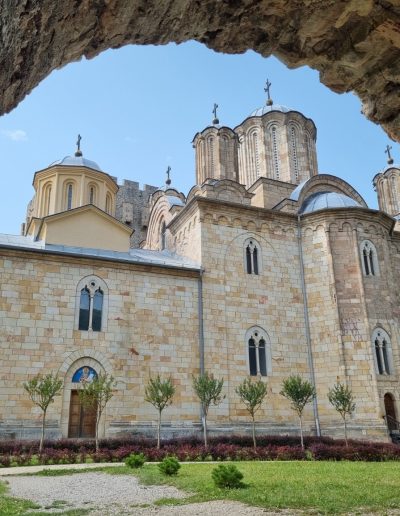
(169,466)
(135,460)
(227,476)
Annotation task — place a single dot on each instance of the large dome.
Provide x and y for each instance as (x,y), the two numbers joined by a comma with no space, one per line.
(268,109)
(325,200)
(76,161)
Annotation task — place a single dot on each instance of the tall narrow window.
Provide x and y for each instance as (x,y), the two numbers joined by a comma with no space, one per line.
(211,157)
(293,144)
(382,349)
(108,204)
(91,306)
(47,199)
(163,236)
(252,257)
(84,309)
(275,151)
(91,195)
(69,197)
(259,352)
(369,260)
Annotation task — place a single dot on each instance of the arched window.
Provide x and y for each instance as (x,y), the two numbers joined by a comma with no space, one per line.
(46,200)
(91,301)
(210,156)
(275,151)
(92,194)
(69,192)
(163,236)
(293,146)
(108,204)
(382,352)
(259,352)
(252,256)
(369,259)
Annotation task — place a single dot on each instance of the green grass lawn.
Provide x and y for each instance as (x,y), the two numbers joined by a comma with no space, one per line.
(323,487)
(327,487)
(13,506)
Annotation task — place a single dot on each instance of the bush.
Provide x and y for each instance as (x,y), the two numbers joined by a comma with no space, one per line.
(135,460)
(169,466)
(227,476)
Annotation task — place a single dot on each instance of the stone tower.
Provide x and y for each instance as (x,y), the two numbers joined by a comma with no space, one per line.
(387,186)
(273,142)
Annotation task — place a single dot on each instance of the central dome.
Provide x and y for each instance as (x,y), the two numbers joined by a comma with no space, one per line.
(325,200)
(76,161)
(268,109)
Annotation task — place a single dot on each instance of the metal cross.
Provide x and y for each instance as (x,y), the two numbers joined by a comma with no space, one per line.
(387,151)
(78,143)
(215,110)
(267,87)
(168,181)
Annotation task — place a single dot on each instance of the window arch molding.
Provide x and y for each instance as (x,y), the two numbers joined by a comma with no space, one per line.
(92,194)
(69,194)
(258,352)
(46,198)
(252,256)
(382,351)
(369,258)
(88,290)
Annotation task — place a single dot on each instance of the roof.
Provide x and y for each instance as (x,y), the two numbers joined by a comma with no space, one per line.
(76,161)
(325,200)
(138,256)
(267,109)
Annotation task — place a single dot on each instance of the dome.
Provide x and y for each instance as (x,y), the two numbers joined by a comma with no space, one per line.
(268,109)
(325,200)
(76,161)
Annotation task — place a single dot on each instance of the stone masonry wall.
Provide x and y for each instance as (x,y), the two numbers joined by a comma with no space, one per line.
(151,328)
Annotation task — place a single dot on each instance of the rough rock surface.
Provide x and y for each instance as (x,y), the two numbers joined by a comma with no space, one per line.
(355,44)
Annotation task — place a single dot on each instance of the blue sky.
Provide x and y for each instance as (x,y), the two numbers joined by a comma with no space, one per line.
(138,108)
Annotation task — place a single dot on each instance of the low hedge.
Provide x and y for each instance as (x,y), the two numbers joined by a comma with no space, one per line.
(71,451)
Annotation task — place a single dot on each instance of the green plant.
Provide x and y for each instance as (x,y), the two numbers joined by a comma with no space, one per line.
(42,390)
(135,460)
(208,390)
(227,476)
(341,397)
(95,395)
(299,392)
(252,393)
(169,466)
(159,393)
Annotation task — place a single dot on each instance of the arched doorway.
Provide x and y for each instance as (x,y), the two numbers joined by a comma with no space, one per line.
(82,420)
(390,412)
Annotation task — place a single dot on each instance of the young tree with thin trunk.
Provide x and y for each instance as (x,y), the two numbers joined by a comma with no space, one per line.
(341,397)
(159,393)
(95,395)
(252,393)
(299,392)
(42,390)
(208,389)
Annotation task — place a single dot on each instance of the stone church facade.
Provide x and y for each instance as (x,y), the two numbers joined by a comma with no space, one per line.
(267,268)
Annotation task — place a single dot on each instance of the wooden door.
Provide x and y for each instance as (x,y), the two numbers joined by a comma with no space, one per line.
(390,411)
(82,420)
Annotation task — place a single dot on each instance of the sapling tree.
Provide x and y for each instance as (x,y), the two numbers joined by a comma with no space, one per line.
(252,393)
(159,393)
(95,395)
(299,392)
(208,389)
(341,397)
(42,390)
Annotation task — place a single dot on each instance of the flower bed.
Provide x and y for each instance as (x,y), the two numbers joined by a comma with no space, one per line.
(71,451)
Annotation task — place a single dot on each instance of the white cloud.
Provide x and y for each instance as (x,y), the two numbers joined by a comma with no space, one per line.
(16,135)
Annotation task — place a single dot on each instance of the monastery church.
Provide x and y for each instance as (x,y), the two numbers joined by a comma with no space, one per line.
(265,269)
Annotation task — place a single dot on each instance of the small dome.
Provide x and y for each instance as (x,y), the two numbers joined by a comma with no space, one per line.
(325,200)
(76,161)
(268,109)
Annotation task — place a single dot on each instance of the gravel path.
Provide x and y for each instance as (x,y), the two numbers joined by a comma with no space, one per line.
(109,495)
